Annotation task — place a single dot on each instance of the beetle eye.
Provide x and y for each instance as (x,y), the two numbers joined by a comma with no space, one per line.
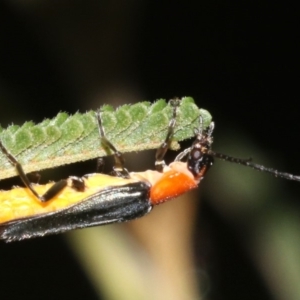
(196,154)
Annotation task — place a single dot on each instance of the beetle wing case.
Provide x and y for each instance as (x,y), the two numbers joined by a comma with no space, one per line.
(110,205)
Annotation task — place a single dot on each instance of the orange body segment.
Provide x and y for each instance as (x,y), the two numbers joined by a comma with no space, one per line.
(171,185)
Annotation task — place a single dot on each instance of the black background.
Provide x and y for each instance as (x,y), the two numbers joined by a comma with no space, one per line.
(238,60)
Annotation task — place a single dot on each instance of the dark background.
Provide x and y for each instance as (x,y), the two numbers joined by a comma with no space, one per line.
(238,60)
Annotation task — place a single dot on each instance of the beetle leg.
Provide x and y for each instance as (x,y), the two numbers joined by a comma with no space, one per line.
(163,148)
(118,170)
(49,194)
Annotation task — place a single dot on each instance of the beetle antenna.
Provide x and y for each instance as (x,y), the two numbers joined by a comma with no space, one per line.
(248,163)
(203,144)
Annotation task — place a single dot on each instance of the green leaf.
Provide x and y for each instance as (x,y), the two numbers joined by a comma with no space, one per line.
(67,138)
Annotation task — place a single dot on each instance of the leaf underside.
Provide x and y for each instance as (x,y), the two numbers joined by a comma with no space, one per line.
(67,138)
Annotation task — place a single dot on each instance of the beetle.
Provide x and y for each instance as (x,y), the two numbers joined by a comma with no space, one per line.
(99,199)
(95,199)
